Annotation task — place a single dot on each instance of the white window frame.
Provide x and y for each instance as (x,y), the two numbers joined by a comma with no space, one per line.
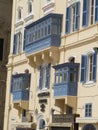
(89,56)
(73,8)
(90,14)
(18,43)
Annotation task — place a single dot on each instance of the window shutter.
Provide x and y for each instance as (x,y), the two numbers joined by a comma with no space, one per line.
(68,20)
(85,13)
(14,44)
(41,78)
(48,76)
(77,15)
(20,41)
(83,68)
(94,66)
(12,83)
(24,39)
(96,10)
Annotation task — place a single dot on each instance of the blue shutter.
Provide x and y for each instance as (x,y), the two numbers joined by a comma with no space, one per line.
(14,44)
(77,15)
(68,20)
(12,83)
(85,12)
(48,76)
(41,78)
(24,39)
(83,68)
(96,10)
(94,66)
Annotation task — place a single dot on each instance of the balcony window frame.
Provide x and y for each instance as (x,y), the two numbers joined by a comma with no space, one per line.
(46,29)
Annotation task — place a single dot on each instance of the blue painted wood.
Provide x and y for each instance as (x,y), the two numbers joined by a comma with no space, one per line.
(20,95)
(65,89)
(36,40)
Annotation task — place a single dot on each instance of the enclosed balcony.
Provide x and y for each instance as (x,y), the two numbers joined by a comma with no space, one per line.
(20,89)
(42,34)
(66,78)
(64,122)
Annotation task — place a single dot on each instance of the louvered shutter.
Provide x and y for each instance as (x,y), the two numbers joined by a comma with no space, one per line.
(94,66)
(85,12)
(14,44)
(24,39)
(41,78)
(67,20)
(48,76)
(96,10)
(83,68)
(12,85)
(77,16)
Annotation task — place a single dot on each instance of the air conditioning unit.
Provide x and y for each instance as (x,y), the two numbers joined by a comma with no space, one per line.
(29,117)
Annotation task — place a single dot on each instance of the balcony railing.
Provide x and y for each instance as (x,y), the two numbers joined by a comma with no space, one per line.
(20,87)
(43,33)
(65,89)
(62,118)
(20,95)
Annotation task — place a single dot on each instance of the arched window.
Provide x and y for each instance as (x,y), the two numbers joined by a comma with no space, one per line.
(89,127)
(42,124)
(29,7)
(19,13)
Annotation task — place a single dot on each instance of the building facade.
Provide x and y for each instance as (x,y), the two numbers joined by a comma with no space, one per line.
(52,66)
(5,29)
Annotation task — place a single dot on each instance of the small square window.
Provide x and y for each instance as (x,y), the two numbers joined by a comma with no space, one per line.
(88,110)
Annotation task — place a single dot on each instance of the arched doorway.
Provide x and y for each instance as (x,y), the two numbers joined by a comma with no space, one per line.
(89,127)
(41,122)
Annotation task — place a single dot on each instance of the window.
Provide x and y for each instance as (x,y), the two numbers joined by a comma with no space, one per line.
(72,17)
(44,81)
(43,29)
(20,82)
(17,43)
(1,48)
(88,67)
(88,110)
(89,127)
(29,7)
(42,124)
(90,12)
(19,13)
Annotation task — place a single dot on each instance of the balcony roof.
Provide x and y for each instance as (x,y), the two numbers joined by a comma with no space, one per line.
(67,64)
(43,18)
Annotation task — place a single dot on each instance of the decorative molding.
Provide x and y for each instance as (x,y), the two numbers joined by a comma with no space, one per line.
(49,7)
(19,23)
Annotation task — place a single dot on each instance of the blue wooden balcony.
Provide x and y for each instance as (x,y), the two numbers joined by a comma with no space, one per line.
(21,95)
(65,89)
(66,79)
(20,87)
(43,33)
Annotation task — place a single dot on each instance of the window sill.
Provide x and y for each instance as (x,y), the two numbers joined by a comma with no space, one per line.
(19,23)
(89,84)
(29,17)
